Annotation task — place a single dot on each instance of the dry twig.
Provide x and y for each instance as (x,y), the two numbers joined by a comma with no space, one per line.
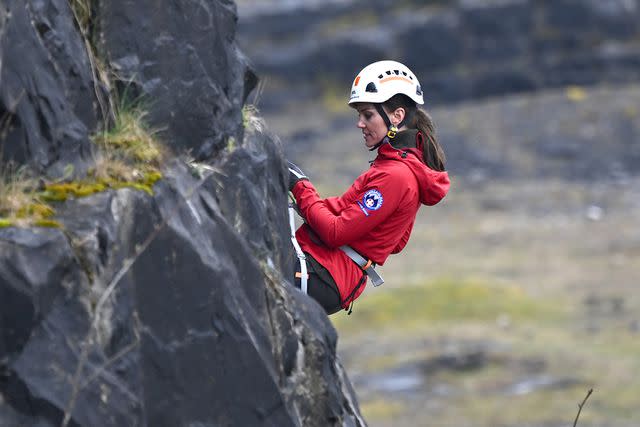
(580,405)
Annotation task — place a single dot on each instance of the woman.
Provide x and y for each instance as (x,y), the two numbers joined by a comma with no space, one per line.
(374,217)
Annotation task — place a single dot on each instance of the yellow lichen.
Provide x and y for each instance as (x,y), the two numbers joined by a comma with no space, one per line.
(48,223)
(62,191)
(152,176)
(58,192)
(35,210)
(29,222)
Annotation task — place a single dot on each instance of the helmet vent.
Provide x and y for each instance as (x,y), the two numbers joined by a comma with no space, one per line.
(381,76)
(371,87)
(419,91)
(397,72)
(388,73)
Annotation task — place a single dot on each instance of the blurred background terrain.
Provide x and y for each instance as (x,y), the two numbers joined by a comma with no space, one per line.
(518,292)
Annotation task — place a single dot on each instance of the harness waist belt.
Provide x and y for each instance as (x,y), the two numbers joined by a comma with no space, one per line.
(366,266)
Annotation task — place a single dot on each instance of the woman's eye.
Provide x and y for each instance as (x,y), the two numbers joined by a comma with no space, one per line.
(367,116)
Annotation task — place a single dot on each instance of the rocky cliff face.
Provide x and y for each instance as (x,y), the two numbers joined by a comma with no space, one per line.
(163,309)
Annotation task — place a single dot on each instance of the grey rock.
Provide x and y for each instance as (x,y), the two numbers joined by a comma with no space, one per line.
(182,58)
(35,270)
(48,102)
(166,309)
(191,317)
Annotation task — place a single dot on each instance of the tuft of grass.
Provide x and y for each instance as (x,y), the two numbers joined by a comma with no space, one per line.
(231,144)
(110,167)
(20,205)
(82,11)
(16,190)
(130,139)
(251,120)
(128,157)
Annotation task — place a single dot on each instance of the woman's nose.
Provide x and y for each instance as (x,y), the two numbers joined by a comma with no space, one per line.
(360,124)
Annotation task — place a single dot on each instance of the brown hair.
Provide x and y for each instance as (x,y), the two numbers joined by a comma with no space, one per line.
(417,118)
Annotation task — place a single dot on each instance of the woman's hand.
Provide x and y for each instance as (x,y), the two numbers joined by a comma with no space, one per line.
(295,175)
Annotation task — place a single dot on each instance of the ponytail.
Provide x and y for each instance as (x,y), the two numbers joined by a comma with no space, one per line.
(432,153)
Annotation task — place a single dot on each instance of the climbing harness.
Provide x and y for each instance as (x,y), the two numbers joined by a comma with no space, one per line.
(303,275)
(367,266)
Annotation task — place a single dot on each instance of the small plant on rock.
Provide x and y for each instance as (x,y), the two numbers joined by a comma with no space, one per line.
(20,204)
(128,155)
(251,120)
(130,139)
(82,11)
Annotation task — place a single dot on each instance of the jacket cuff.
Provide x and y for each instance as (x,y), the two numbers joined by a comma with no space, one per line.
(300,186)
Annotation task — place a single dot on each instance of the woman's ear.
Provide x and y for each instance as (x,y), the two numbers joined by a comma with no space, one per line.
(398,116)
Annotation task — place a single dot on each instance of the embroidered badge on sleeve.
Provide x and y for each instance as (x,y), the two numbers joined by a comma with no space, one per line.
(372,200)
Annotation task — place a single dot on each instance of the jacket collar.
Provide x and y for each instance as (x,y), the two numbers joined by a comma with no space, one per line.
(399,147)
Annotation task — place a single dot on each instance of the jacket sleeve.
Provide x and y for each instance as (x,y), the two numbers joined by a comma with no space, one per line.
(342,220)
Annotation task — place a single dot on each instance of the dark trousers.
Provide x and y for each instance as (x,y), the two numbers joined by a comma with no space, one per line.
(320,285)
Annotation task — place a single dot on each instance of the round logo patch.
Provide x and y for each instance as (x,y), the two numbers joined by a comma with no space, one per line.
(372,200)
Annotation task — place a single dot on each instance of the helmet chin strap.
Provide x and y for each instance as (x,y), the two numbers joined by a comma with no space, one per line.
(392,129)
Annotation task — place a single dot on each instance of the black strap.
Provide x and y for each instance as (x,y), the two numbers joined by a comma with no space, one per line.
(375,147)
(384,115)
(351,297)
(407,118)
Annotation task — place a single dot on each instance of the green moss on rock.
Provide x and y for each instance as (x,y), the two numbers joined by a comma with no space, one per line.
(48,223)
(29,222)
(62,191)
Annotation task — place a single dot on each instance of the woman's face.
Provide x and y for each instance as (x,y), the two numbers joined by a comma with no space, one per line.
(371,123)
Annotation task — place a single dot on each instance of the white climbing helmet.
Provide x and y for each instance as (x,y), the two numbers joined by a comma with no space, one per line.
(381,80)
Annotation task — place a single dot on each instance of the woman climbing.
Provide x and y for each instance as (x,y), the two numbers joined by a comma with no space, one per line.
(344,238)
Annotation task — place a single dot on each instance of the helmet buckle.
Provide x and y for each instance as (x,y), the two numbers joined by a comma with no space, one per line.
(393,130)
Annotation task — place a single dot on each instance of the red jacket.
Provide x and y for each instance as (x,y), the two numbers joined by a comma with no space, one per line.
(374,216)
